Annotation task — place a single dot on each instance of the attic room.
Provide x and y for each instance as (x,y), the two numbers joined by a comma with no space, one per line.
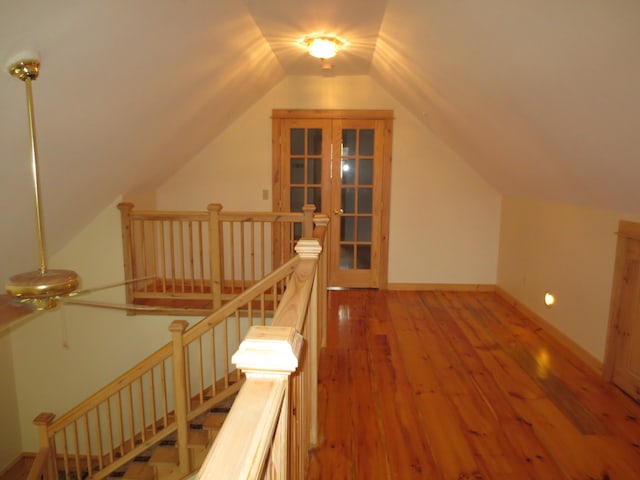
(514,156)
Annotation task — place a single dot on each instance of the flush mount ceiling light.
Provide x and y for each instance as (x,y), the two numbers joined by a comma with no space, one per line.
(323,46)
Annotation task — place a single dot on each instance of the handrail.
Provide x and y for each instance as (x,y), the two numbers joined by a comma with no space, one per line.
(273,421)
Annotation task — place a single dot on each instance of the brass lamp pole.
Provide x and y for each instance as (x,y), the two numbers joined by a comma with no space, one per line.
(43,285)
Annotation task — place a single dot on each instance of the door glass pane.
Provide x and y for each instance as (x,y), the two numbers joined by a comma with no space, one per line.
(346,257)
(314,171)
(348,171)
(314,141)
(365,172)
(349,142)
(347,229)
(297,199)
(365,200)
(364,257)
(364,229)
(349,200)
(297,141)
(305,164)
(366,142)
(297,171)
(314,196)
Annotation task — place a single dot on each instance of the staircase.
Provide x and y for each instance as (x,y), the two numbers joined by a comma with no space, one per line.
(161,462)
(159,419)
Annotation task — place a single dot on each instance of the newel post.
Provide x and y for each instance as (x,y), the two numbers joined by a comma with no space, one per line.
(127,248)
(307,223)
(215,253)
(273,352)
(43,421)
(177,329)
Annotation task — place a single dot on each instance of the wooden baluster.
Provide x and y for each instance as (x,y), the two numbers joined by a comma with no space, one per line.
(141,409)
(152,401)
(153,241)
(183,270)
(307,223)
(243,262)
(162,254)
(109,430)
(172,251)
(200,372)
(141,243)
(163,387)
(263,242)
(131,416)
(177,329)
(191,259)
(125,221)
(215,256)
(214,375)
(253,253)
(232,256)
(201,255)
(99,437)
(43,421)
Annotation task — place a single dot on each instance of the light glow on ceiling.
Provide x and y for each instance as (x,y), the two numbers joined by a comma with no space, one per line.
(323,46)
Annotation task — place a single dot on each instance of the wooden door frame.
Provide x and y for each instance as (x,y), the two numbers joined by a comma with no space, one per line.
(385,115)
(626,231)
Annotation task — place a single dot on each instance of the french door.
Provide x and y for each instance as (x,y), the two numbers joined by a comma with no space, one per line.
(340,162)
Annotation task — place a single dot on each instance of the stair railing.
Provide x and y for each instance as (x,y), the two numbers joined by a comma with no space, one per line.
(205,256)
(160,395)
(273,421)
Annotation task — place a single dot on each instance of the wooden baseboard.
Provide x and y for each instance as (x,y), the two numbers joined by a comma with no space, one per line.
(445,287)
(585,357)
(19,468)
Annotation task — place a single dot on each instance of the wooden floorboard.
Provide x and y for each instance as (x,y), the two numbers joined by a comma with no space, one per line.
(459,385)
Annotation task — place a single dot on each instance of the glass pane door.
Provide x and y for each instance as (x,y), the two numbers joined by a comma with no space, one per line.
(339,161)
(356,202)
(356,198)
(307,148)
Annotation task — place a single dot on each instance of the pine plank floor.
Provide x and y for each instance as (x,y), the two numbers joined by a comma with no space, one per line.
(451,385)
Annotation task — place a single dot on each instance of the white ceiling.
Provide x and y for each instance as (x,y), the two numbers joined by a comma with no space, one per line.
(542,98)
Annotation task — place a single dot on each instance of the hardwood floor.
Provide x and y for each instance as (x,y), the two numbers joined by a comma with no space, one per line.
(444,385)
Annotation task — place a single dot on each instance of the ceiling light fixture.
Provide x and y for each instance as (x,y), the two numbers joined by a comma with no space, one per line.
(323,46)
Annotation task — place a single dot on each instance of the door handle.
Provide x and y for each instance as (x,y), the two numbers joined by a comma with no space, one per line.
(338,211)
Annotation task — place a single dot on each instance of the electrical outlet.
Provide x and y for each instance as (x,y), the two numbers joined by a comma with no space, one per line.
(265,194)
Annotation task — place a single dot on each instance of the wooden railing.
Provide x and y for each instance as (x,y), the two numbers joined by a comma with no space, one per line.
(273,422)
(206,257)
(188,376)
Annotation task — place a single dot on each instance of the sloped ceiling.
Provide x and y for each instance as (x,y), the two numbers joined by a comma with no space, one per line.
(541,98)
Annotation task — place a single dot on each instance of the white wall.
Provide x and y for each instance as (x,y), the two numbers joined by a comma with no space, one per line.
(444,217)
(444,229)
(63,356)
(568,250)
(10,440)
